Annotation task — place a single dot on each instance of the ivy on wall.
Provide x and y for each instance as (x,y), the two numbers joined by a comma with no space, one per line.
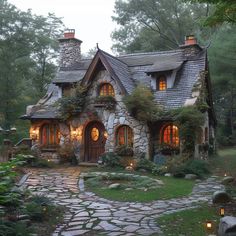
(189,120)
(141,104)
(73,104)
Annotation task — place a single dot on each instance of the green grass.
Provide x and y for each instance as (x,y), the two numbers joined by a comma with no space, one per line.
(172,188)
(189,222)
(224,162)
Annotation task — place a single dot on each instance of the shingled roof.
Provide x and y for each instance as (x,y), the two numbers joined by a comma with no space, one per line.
(132,69)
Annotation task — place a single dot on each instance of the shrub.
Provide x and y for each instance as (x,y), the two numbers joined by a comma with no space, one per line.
(197,167)
(8,228)
(124,150)
(110,159)
(159,170)
(141,104)
(145,164)
(66,152)
(38,207)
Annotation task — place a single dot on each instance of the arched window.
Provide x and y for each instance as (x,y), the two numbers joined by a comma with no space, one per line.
(124,136)
(106,90)
(170,135)
(49,135)
(161,83)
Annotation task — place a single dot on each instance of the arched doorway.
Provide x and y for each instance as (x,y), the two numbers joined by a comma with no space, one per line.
(95,140)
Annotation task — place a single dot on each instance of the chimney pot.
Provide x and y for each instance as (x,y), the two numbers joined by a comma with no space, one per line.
(190,40)
(69,34)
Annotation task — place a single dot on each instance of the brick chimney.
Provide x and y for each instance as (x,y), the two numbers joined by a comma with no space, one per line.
(70,51)
(190,47)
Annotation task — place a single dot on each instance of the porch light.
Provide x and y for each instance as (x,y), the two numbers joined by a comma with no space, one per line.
(222,211)
(225,174)
(105,135)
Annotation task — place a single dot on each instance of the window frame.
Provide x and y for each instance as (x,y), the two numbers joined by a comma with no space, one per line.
(108,91)
(161,79)
(173,138)
(51,131)
(128,136)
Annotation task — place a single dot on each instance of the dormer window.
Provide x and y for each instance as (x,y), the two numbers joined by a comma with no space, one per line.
(161,83)
(106,90)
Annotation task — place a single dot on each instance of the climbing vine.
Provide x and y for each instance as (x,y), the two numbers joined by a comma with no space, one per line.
(73,104)
(189,119)
(141,104)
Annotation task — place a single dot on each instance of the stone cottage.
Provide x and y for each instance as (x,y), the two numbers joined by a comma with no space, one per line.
(171,75)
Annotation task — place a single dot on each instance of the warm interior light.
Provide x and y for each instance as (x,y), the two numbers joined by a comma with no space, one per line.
(131,164)
(225,175)
(209,225)
(222,211)
(105,134)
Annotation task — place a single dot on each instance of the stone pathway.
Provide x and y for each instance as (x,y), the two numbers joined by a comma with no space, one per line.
(89,214)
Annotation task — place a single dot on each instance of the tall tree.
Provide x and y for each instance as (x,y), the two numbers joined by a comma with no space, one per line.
(155,24)
(28,46)
(224,11)
(222,54)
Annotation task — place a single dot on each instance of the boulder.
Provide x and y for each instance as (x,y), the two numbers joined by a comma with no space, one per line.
(114,186)
(190,176)
(168,175)
(227,180)
(221,197)
(227,226)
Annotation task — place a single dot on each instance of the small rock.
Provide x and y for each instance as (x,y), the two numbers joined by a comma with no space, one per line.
(114,186)
(227,180)
(227,226)
(220,197)
(23,217)
(190,176)
(168,175)
(128,189)
(143,170)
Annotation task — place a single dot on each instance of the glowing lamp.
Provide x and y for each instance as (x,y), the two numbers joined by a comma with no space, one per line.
(225,175)
(209,225)
(222,211)
(105,134)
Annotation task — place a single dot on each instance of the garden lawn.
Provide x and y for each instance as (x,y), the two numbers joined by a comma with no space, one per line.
(173,188)
(224,162)
(189,222)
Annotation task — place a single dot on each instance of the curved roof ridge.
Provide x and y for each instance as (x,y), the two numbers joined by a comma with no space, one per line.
(149,53)
(114,57)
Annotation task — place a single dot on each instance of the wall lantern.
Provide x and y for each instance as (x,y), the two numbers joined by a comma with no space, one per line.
(34,132)
(105,134)
(222,212)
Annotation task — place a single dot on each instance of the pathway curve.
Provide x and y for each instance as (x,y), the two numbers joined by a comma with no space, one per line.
(89,214)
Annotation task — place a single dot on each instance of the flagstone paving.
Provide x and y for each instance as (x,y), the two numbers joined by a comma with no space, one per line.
(89,214)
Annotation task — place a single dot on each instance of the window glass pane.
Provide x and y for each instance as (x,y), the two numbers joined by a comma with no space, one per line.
(106,90)
(171,135)
(94,134)
(162,83)
(125,136)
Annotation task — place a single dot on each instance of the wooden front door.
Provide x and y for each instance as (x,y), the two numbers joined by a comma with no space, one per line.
(94,141)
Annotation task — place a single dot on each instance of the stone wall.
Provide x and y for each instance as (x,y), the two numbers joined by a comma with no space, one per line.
(112,119)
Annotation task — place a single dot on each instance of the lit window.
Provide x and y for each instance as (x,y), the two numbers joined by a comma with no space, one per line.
(49,134)
(161,83)
(94,134)
(124,136)
(106,90)
(171,135)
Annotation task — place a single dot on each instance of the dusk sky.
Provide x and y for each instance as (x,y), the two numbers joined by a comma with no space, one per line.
(91,19)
